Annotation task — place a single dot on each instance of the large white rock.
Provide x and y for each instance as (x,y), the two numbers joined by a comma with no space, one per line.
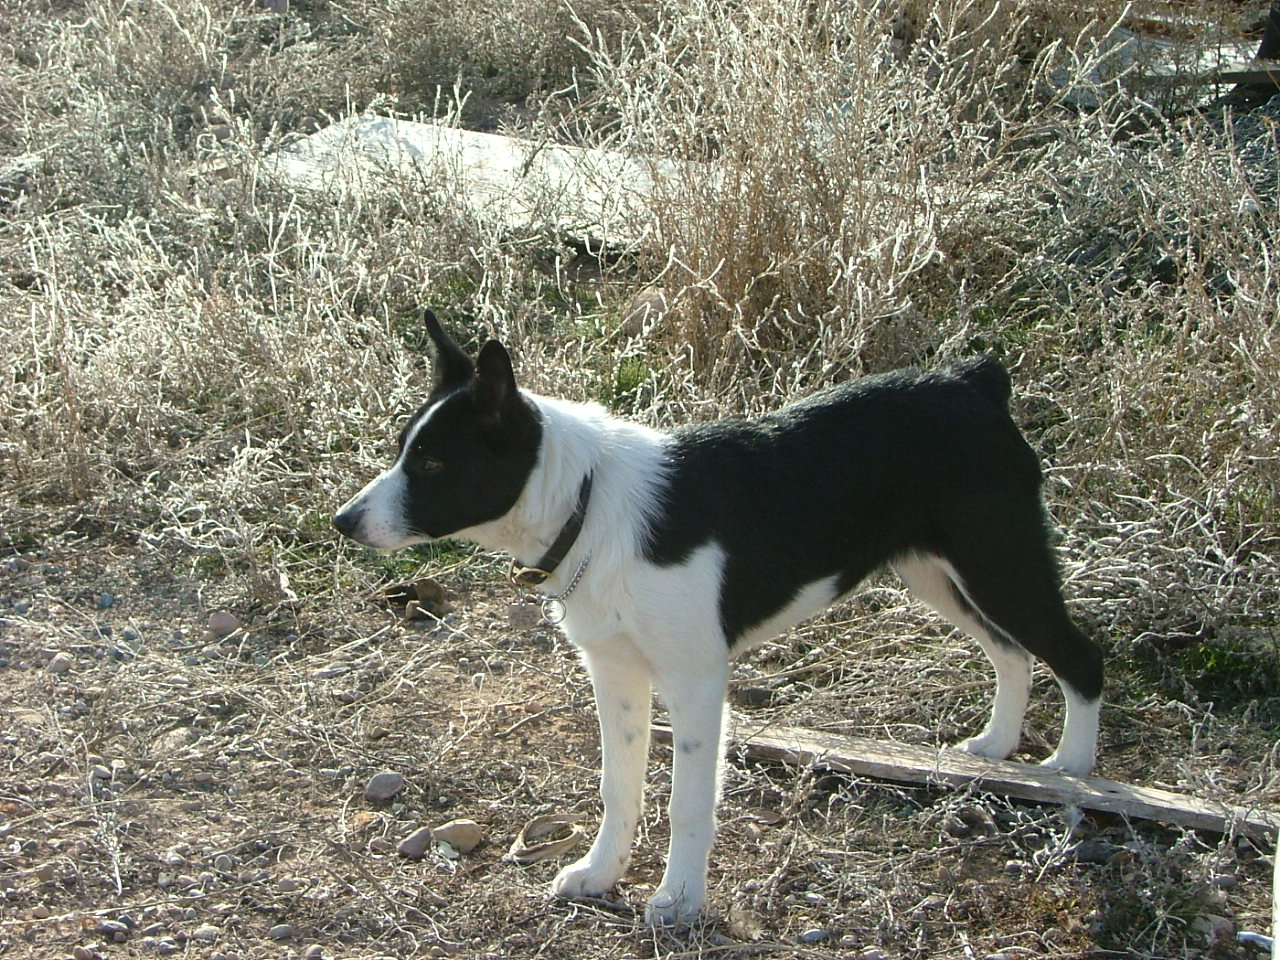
(592,194)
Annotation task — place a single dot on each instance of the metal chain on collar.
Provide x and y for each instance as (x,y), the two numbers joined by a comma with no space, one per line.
(553,608)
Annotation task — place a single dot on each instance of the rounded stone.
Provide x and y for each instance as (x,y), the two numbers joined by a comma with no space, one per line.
(462,835)
(384,786)
(223,623)
(416,844)
(114,929)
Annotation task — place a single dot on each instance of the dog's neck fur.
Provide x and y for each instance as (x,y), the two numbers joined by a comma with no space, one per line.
(578,439)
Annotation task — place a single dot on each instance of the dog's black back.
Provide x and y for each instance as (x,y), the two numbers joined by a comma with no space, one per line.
(862,473)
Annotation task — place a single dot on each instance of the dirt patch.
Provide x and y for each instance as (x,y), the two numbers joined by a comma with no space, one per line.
(171,791)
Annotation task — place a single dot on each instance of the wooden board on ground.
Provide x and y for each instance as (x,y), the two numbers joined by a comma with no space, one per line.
(906,763)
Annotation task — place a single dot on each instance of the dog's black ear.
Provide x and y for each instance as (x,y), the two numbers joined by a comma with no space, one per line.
(452,366)
(494,385)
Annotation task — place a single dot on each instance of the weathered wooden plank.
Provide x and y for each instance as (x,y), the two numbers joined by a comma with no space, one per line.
(1252,72)
(906,763)
(1257,74)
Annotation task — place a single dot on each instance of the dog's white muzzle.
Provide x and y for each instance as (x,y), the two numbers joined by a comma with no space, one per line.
(376,515)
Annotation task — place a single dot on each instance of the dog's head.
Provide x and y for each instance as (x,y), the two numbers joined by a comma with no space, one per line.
(463,459)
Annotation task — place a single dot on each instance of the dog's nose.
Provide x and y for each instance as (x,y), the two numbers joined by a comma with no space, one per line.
(346,520)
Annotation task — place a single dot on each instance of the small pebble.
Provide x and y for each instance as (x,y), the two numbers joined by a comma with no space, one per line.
(224,863)
(40,911)
(167,947)
(223,623)
(60,662)
(814,936)
(114,929)
(281,931)
(462,835)
(1215,927)
(206,932)
(1095,851)
(45,873)
(129,634)
(313,952)
(415,845)
(335,669)
(84,953)
(287,885)
(21,608)
(384,786)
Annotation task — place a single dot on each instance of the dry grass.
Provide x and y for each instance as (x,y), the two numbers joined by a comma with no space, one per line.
(198,369)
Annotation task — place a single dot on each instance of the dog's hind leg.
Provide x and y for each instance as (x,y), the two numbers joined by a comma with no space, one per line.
(929,579)
(1003,573)
(1077,748)
(620,679)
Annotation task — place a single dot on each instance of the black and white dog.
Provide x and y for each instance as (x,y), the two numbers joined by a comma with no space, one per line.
(665,555)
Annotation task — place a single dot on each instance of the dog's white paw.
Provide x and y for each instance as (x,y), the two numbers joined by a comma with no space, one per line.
(1068,762)
(672,908)
(584,879)
(989,745)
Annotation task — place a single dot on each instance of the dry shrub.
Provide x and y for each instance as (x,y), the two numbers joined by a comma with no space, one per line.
(1156,297)
(500,55)
(840,151)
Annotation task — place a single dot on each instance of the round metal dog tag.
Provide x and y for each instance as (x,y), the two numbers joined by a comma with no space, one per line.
(553,610)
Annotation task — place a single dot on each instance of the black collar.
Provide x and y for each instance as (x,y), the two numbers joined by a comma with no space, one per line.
(538,574)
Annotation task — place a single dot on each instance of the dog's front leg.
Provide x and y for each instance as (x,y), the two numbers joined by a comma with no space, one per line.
(696,705)
(621,683)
